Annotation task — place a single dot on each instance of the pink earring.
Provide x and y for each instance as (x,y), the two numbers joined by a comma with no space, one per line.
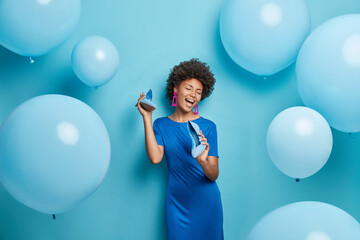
(196,109)
(174,100)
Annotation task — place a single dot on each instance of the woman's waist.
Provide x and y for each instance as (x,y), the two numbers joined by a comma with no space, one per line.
(190,183)
(199,191)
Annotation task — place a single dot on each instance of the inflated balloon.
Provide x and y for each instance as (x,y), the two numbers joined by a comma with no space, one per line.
(264,36)
(54,153)
(299,141)
(328,72)
(35,27)
(95,60)
(306,221)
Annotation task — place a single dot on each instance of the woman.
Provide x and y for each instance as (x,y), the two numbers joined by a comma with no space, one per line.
(193,206)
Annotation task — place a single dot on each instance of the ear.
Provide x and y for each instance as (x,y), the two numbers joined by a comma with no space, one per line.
(176,89)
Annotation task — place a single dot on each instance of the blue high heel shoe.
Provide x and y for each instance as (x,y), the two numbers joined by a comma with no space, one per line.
(197,148)
(146,102)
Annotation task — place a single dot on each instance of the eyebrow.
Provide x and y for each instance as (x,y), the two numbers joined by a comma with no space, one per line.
(192,86)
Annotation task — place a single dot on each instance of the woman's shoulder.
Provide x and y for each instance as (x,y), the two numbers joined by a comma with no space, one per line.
(160,120)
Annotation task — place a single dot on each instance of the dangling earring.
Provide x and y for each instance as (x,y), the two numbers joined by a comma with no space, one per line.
(196,109)
(174,100)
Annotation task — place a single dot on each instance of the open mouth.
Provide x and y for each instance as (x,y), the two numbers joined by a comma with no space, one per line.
(189,102)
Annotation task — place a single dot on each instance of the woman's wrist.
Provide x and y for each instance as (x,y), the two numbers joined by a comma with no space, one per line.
(201,161)
(147,118)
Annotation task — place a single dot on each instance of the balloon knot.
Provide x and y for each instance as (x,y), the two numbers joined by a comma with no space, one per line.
(297,180)
(350,134)
(54,217)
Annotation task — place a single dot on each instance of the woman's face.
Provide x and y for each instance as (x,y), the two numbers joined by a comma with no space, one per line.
(189,94)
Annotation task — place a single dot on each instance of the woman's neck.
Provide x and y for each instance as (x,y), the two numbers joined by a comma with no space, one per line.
(180,116)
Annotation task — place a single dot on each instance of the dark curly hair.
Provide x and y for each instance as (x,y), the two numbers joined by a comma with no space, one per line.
(187,70)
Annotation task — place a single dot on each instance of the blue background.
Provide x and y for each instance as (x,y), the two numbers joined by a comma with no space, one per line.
(151,37)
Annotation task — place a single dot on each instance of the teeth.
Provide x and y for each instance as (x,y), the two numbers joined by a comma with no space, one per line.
(190,100)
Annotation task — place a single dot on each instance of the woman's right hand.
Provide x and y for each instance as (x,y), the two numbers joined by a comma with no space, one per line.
(142,110)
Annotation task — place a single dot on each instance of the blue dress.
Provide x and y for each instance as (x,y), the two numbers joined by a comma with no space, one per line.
(193,208)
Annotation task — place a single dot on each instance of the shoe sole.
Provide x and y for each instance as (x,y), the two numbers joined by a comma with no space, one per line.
(148,107)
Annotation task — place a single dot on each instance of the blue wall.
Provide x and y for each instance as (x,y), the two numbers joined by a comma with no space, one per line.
(151,37)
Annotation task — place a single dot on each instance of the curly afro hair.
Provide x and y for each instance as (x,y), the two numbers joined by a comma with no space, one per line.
(187,70)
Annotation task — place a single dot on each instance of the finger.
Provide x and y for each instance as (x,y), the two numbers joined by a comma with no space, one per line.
(202,135)
(207,147)
(140,98)
(137,104)
(139,107)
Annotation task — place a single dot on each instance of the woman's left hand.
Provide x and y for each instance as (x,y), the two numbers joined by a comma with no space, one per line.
(203,156)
